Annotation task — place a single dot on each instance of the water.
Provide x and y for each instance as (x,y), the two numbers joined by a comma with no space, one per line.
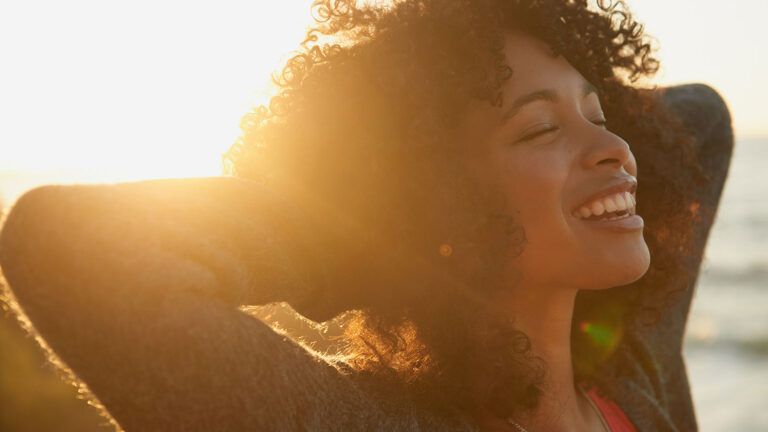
(727,341)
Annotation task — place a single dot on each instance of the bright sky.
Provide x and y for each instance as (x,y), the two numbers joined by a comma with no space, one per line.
(139,89)
(721,43)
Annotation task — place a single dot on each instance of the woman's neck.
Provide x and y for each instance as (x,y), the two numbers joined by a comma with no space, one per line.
(545,315)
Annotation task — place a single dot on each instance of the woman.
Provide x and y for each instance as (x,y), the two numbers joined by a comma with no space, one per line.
(515,227)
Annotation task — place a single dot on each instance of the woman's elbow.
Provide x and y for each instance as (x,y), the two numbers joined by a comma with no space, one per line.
(705,113)
(26,236)
(49,243)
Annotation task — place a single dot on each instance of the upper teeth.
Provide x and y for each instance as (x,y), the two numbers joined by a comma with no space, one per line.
(611,203)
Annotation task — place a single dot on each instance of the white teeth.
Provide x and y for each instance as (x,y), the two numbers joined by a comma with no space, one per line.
(630,199)
(620,203)
(597,208)
(614,203)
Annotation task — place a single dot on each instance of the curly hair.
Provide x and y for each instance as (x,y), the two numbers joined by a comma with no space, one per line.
(361,132)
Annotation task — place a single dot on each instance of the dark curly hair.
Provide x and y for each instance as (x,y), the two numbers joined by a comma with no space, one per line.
(361,133)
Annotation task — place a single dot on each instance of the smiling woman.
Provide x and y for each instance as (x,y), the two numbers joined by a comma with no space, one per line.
(551,153)
(513,225)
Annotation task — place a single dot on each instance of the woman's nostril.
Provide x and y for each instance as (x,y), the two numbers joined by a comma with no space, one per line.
(609,161)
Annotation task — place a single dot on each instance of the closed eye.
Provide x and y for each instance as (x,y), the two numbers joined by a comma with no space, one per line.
(539,132)
(600,120)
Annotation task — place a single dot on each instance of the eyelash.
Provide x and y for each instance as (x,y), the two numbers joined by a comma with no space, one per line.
(536,134)
(539,133)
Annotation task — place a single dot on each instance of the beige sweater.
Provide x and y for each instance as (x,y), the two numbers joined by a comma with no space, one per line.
(136,288)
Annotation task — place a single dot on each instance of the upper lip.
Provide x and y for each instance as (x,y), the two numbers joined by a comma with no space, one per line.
(621,184)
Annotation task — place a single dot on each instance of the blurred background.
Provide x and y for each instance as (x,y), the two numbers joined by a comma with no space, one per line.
(103,91)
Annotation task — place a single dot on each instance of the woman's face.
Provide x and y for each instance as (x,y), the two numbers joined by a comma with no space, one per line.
(548,151)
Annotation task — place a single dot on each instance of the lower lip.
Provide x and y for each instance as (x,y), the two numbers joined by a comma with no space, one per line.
(627,224)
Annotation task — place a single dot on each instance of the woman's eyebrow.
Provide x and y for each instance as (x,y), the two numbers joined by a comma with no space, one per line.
(545,94)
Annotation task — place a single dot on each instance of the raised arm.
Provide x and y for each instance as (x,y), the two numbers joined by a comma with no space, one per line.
(134,287)
(706,116)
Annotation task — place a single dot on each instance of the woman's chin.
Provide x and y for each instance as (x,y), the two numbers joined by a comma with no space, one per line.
(630,269)
(616,269)
(634,276)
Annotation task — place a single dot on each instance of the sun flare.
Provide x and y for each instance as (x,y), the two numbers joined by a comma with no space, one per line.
(103,91)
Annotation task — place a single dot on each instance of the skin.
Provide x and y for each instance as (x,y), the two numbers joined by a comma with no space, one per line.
(543,179)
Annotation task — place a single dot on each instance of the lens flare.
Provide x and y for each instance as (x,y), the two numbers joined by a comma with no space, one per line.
(601,335)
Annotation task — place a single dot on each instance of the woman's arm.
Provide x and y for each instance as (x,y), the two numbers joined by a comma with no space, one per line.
(707,118)
(135,286)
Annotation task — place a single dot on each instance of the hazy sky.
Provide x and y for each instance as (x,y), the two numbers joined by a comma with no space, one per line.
(157,88)
(722,43)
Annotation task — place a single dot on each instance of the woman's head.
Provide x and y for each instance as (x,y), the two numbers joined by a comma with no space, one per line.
(394,127)
(548,152)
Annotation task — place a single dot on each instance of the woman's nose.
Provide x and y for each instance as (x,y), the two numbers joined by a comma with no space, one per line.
(606,149)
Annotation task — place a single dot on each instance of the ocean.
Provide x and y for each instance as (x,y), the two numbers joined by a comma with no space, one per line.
(727,336)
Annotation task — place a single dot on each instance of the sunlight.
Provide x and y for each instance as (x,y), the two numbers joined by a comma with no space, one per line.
(103,91)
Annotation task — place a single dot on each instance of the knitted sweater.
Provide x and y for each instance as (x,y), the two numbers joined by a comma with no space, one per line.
(135,289)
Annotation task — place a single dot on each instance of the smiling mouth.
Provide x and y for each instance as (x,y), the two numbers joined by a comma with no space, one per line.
(615,206)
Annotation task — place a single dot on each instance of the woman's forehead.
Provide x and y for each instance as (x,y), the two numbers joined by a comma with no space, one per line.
(534,67)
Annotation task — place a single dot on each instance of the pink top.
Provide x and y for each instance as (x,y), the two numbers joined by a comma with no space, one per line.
(613,415)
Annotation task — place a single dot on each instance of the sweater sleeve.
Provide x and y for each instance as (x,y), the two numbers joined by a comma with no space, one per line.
(705,115)
(135,288)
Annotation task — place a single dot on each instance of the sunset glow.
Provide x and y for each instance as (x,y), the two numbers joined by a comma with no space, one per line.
(118,91)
